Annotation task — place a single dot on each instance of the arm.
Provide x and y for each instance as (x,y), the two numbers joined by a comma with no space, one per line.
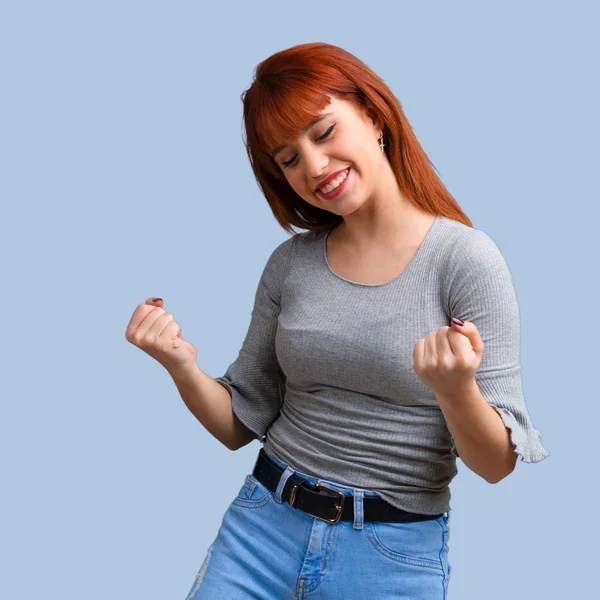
(210,403)
(479,434)
(488,417)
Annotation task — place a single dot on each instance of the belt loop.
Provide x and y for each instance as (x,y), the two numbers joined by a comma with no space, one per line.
(358,508)
(282,481)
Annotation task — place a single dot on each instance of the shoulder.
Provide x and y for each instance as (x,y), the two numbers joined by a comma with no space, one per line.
(299,238)
(474,269)
(470,250)
(295,244)
(277,263)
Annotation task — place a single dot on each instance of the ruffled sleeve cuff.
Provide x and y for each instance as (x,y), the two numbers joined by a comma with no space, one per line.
(524,437)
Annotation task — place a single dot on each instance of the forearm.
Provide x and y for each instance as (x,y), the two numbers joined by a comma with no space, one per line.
(210,403)
(480,436)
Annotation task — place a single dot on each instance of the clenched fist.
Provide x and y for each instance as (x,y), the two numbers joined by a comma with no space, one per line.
(157,333)
(447,359)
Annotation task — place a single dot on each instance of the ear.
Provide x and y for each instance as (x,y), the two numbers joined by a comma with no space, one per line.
(370,116)
(375,119)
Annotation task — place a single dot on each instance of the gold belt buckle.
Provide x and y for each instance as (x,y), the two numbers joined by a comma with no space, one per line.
(339,507)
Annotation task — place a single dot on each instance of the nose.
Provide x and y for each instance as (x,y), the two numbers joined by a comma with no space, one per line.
(316,164)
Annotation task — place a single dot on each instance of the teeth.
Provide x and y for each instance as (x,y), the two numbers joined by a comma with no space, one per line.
(333,184)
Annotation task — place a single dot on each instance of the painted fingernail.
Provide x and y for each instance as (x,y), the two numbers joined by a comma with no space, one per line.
(458,321)
(156,299)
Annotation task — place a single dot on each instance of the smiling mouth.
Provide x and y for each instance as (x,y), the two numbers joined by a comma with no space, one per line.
(333,193)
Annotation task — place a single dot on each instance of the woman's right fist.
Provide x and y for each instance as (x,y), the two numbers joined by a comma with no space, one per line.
(157,333)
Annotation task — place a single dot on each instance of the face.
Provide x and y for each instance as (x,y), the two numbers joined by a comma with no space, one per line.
(344,138)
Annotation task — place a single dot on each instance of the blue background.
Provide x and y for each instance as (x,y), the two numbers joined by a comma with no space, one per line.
(123,175)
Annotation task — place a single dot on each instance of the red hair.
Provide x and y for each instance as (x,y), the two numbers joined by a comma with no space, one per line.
(290,89)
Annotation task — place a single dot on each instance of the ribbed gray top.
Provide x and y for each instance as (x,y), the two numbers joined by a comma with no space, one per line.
(325,374)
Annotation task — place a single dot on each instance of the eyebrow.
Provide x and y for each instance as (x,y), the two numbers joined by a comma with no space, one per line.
(313,122)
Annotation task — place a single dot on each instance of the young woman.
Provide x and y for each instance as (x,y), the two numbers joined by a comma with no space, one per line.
(383,344)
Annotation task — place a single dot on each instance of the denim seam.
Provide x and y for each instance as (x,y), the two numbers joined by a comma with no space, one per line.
(441,561)
(200,574)
(253,503)
(312,583)
(398,556)
(250,484)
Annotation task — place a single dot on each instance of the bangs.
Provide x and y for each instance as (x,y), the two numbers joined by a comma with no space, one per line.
(286,112)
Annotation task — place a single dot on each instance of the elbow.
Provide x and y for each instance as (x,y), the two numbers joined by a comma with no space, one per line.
(242,436)
(500,477)
(496,479)
(238,444)
(232,446)
(508,468)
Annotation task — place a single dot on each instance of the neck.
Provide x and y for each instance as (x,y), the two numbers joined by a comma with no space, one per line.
(386,220)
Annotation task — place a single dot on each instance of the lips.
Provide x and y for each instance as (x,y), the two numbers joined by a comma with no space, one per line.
(337,191)
(330,178)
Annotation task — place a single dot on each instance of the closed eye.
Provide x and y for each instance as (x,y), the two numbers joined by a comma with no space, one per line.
(326,134)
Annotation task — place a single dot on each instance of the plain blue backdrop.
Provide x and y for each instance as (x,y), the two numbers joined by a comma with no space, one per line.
(123,175)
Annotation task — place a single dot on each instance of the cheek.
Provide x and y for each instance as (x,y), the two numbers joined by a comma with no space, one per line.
(299,185)
(296,184)
(358,157)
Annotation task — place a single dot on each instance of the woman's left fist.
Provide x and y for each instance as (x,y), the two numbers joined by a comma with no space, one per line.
(447,359)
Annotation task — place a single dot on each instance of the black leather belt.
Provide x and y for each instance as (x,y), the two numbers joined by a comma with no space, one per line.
(327,503)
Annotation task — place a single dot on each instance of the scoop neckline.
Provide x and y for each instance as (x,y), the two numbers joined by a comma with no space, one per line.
(409,266)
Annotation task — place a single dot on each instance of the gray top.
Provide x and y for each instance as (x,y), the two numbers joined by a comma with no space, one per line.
(325,374)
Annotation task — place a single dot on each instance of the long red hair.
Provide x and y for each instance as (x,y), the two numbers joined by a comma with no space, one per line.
(290,89)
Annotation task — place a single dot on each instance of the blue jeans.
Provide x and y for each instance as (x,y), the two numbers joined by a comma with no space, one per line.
(267,550)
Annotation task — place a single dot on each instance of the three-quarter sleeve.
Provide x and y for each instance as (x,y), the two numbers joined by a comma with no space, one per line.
(255,380)
(481,290)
